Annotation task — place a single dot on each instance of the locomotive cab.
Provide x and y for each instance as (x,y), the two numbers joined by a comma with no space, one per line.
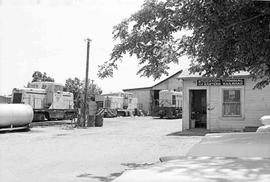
(47,100)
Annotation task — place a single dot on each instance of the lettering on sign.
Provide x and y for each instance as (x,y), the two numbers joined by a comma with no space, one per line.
(220,82)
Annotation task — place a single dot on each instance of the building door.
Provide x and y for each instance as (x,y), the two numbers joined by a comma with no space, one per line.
(198,110)
(156,97)
(154,102)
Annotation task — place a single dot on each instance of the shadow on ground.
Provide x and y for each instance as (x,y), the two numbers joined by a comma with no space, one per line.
(165,118)
(197,132)
(190,133)
(135,165)
(108,178)
(24,130)
(112,176)
(51,123)
(219,169)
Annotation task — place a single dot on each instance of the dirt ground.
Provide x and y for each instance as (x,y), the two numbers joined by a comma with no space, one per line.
(61,153)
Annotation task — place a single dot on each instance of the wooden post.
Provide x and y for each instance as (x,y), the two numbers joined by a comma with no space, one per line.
(86,81)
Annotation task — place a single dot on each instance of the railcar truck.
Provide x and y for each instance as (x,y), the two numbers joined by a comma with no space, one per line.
(47,99)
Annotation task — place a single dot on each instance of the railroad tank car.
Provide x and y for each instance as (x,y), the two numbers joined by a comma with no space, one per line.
(15,116)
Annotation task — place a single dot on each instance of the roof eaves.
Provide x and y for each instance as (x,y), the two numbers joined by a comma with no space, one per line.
(179,72)
(233,76)
(140,88)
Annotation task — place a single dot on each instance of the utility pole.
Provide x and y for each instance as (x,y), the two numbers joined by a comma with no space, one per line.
(86,81)
(91,86)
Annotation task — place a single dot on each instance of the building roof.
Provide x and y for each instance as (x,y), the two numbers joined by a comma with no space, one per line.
(179,72)
(141,88)
(187,75)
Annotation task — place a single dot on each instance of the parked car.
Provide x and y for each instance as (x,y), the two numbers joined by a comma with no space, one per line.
(217,157)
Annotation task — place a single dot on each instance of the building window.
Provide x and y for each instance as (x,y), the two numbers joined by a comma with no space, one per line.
(231,103)
(173,100)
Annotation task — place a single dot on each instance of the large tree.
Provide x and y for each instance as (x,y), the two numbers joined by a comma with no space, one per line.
(226,36)
(76,86)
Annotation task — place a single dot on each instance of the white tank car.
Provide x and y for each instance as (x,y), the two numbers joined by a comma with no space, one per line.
(15,116)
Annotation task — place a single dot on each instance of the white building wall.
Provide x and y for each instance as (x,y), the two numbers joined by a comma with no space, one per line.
(257,102)
(216,120)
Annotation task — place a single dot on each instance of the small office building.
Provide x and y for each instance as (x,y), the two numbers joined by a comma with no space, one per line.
(223,104)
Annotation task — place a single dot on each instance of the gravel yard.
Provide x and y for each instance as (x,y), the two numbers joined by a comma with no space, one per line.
(62,153)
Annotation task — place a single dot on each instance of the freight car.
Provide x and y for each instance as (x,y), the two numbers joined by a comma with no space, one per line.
(47,99)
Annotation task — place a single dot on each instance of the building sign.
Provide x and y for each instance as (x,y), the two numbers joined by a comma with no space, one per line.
(221,82)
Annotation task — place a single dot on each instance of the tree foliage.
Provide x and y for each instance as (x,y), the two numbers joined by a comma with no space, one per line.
(38,76)
(76,86)
(227,36)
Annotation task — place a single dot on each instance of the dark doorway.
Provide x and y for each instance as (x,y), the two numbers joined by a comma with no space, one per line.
(156,97)
(198,108)
(154,102)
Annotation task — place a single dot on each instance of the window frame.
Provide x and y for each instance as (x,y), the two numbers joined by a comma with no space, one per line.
(240,103)
(173,99)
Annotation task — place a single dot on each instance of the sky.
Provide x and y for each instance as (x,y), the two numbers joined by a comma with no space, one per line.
(49,36)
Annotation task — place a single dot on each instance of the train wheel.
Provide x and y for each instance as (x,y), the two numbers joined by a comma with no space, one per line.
(39,117)
(47,115)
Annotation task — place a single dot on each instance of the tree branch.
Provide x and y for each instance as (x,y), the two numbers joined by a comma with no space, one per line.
(243,21)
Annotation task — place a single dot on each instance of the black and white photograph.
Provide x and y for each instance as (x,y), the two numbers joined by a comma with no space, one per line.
(134,90)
